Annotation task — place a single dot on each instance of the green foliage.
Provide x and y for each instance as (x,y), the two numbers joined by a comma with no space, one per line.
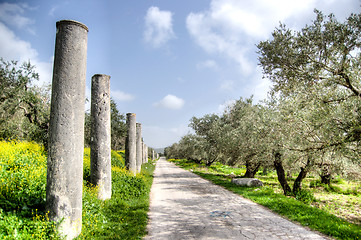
(118,127)
(305,196)
(24,108)
(14,226)
(316,75)
(22,192)
(118,158)
(124,216)
(23,176)
(22,197)
(335,189)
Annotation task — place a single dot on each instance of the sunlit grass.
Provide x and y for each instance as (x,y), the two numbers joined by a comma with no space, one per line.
(23,192)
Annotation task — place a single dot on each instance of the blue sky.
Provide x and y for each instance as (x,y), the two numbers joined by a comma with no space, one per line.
(168,60)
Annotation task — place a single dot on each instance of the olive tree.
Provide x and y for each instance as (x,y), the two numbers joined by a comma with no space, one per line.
(245,136)
(316,81)
(24,107)
(210,129)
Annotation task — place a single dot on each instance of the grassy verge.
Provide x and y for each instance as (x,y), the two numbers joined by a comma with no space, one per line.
(23,190)
(305,214)
(124,216)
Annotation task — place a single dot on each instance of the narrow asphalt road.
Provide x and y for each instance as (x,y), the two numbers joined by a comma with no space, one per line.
(185,206)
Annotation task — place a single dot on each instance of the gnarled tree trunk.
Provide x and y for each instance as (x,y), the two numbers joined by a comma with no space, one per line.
(251,169)
(302,175)
(281,173)
(325,174)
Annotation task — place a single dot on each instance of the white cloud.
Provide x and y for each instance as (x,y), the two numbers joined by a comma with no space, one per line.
(210,64)
(231,28)
(11,14)
(13,48)
(227,85)
(158,27)
(207,35)
(121,96)
(258,87)
(170,102)
(52,11)
(88,99)
(261,89)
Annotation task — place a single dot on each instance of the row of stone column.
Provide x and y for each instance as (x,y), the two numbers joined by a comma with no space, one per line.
(66,131)
(136,151)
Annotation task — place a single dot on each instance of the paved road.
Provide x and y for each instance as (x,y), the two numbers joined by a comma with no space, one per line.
(185,206)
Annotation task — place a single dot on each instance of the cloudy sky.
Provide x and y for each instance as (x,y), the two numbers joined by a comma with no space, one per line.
(168,60)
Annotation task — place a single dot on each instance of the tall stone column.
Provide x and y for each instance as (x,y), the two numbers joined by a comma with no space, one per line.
(139,147)
(143,151)
(66,129)
(153,155)
(130,144)
(100,144)
(146,154)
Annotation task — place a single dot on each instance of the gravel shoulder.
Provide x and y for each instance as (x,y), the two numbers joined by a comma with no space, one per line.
(185,206)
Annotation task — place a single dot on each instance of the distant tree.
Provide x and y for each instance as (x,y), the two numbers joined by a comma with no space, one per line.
(24,108)
(192,147)
(209,128)
(245,136)
(172,151)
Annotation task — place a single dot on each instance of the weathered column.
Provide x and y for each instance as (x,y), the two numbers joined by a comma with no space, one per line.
(139,147)
(146,154)
(153,155)
(146,160)
(143,151)
(100,143)
(130,144)
(66,129)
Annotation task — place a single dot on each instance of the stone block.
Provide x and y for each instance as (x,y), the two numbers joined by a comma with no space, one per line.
(249,182)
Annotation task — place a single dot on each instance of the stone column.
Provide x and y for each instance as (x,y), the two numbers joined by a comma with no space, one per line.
(153,155)
(66,129)
(139,147)
(100,143)
(143,152)
(130,144)
(146,154)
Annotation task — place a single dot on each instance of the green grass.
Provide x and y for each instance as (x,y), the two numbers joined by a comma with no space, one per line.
(305,214)
(23,191)
(124,216)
